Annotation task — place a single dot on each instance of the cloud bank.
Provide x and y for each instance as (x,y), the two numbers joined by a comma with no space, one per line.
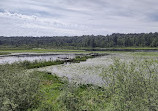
(77,17)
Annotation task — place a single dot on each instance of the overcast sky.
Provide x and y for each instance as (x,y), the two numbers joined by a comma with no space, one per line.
(77,17)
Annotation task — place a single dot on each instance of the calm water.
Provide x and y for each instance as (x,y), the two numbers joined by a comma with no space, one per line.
(29,57)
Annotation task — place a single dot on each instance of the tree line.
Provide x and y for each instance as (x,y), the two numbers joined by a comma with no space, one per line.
(86,41)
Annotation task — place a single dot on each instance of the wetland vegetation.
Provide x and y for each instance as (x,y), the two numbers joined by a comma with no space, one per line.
(127,86)
(101,80)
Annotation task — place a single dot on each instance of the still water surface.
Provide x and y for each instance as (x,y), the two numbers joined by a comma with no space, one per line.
(40,57)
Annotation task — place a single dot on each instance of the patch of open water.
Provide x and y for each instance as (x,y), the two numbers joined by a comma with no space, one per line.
(32,57)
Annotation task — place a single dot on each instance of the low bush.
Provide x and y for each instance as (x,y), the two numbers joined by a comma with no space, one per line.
(18,90)
(132,86)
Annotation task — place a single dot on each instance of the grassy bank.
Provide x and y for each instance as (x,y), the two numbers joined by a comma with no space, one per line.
(38,64)
(37,50)
(81,50)
(4,53)
(146,54)
(137,48)
(59,95)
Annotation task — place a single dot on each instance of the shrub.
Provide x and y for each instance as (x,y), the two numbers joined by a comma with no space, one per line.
(18,88)
(132,86)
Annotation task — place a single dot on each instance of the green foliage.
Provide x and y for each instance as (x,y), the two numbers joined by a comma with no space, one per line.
(86,41)
(132,86)
(18,90)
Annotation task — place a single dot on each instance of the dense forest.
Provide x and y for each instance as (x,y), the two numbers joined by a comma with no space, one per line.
(85,41)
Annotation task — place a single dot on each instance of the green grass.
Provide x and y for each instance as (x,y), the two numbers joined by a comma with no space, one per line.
(16,50)
(59,95)
(4,53)
(50,89)
(138,48)
(37,50)
(145,54)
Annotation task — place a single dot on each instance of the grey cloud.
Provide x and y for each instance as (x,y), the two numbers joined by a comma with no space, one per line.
(77,17)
